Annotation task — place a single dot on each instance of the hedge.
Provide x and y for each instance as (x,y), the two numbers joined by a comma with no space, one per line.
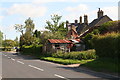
(31,50)
(90,54)
(107,45)
(6,49)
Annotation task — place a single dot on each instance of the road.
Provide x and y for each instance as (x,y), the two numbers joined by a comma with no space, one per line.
(23,67)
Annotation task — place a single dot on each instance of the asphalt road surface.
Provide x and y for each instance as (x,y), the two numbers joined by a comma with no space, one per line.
(16,67)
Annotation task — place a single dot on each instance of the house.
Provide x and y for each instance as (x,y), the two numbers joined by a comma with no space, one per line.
(81,28)
(76,30)
(64,45)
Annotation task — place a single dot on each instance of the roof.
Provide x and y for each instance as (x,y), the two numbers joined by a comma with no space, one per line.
(97,22)
(59,41)
(63,41)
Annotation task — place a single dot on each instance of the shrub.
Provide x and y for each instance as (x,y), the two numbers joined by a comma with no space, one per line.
(107,45)
(32,49)
(90,54)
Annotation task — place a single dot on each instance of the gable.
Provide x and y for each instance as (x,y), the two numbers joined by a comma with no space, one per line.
(72,33)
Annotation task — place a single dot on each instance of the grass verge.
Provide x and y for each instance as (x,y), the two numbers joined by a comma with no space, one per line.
(101,64)
(65,61)
(104,65)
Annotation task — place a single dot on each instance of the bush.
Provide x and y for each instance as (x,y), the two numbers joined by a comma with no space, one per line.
(6,49)
(32,50)
(107,45)
(90,54)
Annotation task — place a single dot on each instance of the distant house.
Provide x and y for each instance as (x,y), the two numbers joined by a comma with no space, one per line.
(81,28)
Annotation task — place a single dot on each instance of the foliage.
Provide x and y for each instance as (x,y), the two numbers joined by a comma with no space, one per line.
(37,34)
(55,27)
(107,45)
(65,61)
(1,38)
(8,43)
(29,26)
(90,54)
(20,28)
(32,50)
(27,38)
(87,41)
(108,27)
(16,42)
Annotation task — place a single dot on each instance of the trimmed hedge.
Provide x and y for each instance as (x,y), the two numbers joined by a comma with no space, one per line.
(107,45)
(32,49)
(90,54)
(6,49)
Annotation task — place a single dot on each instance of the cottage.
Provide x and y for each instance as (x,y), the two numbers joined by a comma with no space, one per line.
(64,45)
(81,28)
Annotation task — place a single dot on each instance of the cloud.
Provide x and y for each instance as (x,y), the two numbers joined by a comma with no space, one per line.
(111,11)
(28,10)
(76,11)
(81,9)
(49,1)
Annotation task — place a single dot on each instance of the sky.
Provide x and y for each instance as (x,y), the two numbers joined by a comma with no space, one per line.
(17,11)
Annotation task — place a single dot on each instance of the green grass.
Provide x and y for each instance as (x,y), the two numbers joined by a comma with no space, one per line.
(104,65)
(65,61)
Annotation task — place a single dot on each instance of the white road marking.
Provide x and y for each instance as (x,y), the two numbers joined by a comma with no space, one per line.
(20,62)
(5,55)
(36,67)
(8,57)
(13,59)
(59,76)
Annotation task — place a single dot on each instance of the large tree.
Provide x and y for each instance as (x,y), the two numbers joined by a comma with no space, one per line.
(27,32)
(56,27)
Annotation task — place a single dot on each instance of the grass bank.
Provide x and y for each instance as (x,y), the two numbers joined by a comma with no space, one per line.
(104,65)
(65,61)
(99,64)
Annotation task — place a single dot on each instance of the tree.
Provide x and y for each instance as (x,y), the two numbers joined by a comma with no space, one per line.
(20,28)
(16,41)
(55,27)
(9,43)
(29,26)
(27,38)
(1,38)
(37,34)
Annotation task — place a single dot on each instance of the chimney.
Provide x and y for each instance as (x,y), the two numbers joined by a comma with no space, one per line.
(100,13)
(76,21)
(67,22)
(80,19)
(86,19)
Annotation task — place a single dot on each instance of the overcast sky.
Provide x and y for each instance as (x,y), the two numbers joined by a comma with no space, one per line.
(17,11)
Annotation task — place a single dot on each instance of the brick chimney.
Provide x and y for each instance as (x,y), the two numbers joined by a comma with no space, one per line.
(67,24)
(80,19)
(86,19)
(76,21)
(100,13)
